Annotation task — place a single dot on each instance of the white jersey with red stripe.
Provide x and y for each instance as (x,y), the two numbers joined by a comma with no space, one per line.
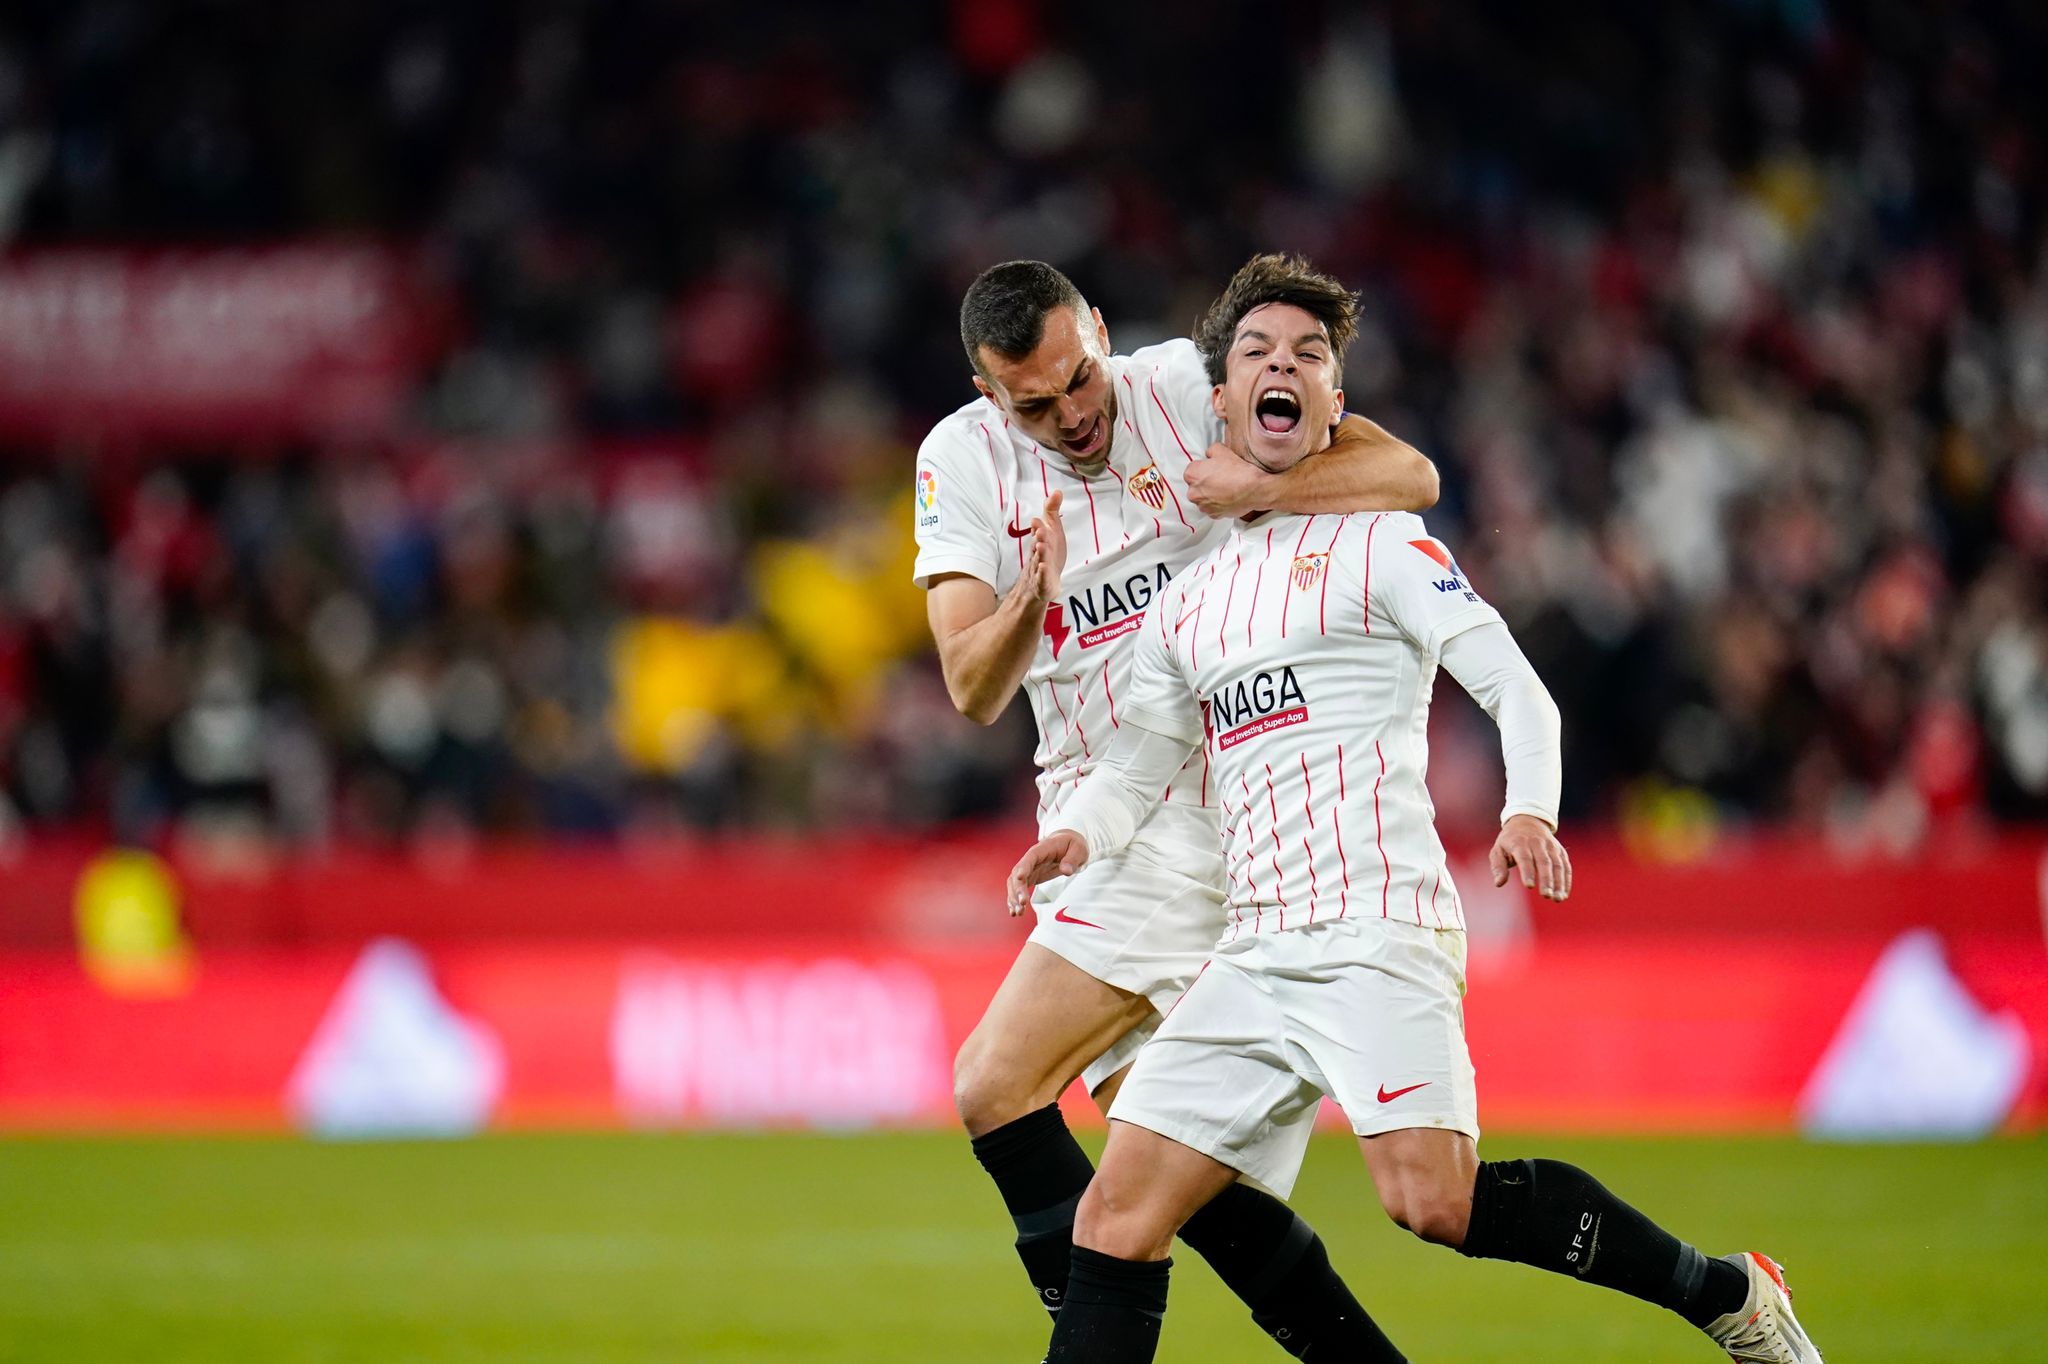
(1300,654)
(1130,528)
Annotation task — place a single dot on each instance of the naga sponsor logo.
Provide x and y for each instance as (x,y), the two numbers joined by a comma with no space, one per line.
(1148,485)
(1105,612)
(927,499)
(1457,582)
(1255,705)
(830,1041)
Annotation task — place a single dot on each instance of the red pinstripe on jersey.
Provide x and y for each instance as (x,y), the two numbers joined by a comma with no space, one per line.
(1252,881)
(1195,634)
(1365,606)
(1279,876)
(1380,829)
(1222,645)
(1323,599)
(1052,689)
(1094,525)
(1146,445)
(1337,821)
(1287,597)
(1251,612)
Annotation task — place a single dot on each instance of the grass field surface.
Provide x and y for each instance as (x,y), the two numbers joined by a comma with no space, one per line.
(882,1248)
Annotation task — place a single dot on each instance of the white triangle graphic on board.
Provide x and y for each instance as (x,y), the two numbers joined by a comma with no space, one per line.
(1916,1055)
(393,1058)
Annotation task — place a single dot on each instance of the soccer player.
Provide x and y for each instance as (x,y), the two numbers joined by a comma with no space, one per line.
(1298,657)
(1051,512)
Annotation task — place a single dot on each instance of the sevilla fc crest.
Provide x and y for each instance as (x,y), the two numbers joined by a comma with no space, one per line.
(1149,487)
(1308,568)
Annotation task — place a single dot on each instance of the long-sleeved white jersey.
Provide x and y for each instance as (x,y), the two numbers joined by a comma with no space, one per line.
(1130,529)
(1299,655)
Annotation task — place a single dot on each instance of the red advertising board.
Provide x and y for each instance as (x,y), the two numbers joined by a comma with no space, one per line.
(737,985)
(1671,1033)
(304,339)
(893,888)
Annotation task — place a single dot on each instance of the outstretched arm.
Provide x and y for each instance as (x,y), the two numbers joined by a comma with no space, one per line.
(1365,469)
(1492,668)
(1106,809)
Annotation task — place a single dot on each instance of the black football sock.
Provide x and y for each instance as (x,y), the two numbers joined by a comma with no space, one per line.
(1275,1261)
(1113,1312)
(1041,1172)
(1557,1217)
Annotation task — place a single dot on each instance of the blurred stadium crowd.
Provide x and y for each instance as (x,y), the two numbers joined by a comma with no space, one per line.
(1726,322)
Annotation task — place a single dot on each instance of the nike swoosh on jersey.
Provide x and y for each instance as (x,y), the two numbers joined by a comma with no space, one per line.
(1062,916)
(1387,1098)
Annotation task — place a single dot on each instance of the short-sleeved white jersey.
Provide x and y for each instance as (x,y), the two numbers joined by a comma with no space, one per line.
(1130,529)
(1300,654)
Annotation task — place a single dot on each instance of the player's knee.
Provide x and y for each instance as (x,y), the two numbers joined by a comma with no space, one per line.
(987,1091)
(1113,1221)
(1435,1211)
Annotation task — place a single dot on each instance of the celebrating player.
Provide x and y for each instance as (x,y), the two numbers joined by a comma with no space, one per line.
(1296,659)
(1051,514)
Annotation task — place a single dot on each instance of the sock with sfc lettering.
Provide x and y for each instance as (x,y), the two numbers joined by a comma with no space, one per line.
(1557,1217)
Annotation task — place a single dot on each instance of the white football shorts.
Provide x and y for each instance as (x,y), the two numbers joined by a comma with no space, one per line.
(1143,919)
(1369,1011)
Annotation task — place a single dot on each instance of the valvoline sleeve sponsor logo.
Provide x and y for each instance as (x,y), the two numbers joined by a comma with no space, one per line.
(1255,705)
(1457,581)
(1106,611)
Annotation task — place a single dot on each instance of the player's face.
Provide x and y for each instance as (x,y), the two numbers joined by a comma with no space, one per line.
(1061,394)
(1279,396)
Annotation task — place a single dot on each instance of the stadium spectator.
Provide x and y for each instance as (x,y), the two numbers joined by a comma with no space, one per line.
(1726,324)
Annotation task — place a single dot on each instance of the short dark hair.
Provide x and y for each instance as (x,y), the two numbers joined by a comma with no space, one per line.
(1276,278)
(1006,305)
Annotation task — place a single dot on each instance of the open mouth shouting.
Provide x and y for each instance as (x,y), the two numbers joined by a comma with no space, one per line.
(1277,411)
(1091,442)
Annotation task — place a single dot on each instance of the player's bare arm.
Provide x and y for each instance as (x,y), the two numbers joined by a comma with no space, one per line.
(986,643)
(1365,468)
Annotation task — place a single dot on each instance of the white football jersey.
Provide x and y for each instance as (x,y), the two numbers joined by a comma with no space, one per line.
(1300,655)
(1130,529)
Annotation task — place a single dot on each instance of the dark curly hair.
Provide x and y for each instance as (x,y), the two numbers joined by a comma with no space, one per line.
(1276,278)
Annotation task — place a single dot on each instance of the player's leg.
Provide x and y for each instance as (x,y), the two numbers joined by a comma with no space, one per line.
(1274,1261)
(1046,1022)
(1546,1214)
(1419,1132)
(1556,1216)
(1215,1080)
(1116,1296)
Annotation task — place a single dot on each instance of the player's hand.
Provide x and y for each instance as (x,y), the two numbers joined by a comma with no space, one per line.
(1527,844)
(1049,538)
(1226,484)
(1061,853)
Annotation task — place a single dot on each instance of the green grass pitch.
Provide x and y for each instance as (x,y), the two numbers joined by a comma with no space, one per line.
(888,1247)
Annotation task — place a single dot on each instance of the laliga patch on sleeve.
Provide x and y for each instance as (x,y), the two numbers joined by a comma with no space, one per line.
(927,500)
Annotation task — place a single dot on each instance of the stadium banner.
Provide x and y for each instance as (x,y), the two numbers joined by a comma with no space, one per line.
(897,888)
(1624,1033)
(306,339)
